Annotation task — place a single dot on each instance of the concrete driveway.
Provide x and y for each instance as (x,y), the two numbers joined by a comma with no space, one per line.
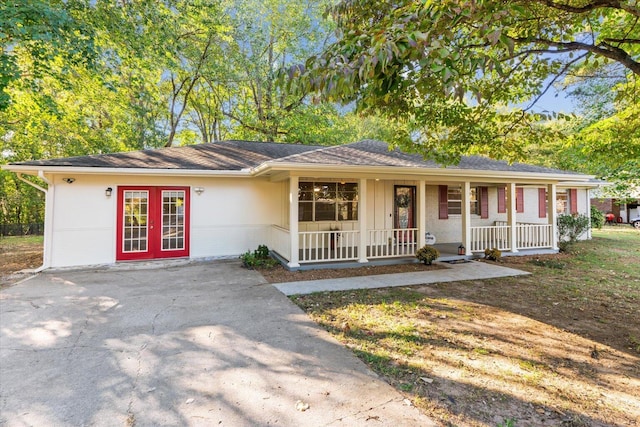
(198,344)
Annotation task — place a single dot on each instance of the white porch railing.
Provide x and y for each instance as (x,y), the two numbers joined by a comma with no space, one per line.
(528,236)
(398,242)
(328,246)
(280,241)
(533,236)
(489,237)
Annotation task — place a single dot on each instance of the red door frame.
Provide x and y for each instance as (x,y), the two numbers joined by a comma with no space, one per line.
(154,224)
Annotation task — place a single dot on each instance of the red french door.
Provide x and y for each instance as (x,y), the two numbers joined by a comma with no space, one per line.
(153,222)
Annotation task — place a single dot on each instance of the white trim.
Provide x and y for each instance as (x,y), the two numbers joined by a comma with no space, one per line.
(126,171)
(294,261)
(362,218)
(512,213)
(321,170)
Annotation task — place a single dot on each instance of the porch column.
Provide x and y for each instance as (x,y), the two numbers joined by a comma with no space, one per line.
(362,220)
(552,216)
(511,216)
(588,213)
(466,217)
(293,222)
(422,213)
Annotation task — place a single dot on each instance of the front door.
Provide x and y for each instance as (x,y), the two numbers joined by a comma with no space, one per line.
(153,222)
(404,212)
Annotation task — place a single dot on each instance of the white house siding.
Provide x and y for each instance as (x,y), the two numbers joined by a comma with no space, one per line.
(230,217)
(233,216)
(83,222)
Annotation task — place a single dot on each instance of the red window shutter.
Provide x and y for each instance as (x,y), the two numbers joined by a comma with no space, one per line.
(573,200)
(443,202)
(542,202)
(519,199)
(502,200)
(484,202)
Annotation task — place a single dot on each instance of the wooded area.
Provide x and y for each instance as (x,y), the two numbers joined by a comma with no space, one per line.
(441,78)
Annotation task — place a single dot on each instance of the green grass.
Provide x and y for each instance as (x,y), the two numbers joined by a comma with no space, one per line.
(467,334)
(10,241)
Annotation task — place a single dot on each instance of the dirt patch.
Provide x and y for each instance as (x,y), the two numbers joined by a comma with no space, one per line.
(280,274)
(17,254)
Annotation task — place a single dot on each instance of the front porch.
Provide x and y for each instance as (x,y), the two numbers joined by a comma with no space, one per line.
(368,220)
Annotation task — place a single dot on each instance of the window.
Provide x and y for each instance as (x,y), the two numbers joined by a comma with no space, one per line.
(502,199)
(454,200)
(328,201)
(474,205)
(567,201)
(451,201)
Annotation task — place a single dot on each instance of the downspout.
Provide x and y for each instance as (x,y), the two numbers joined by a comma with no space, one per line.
(47,226)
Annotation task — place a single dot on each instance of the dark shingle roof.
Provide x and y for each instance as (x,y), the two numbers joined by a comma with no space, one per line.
(227,155)
(238,155)
(377,153)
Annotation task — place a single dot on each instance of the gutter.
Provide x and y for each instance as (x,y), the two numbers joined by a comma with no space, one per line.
(129,171)
(46,229)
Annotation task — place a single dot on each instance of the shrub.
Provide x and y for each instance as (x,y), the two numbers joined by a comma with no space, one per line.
(427,254)
(492,254)
(258,258)
(597,218)
(570,227)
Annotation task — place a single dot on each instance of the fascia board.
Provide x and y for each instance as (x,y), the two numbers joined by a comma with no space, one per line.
(391,171)
(33,169)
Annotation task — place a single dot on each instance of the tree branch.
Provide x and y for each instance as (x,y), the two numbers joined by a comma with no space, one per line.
(604,49)
(596,4)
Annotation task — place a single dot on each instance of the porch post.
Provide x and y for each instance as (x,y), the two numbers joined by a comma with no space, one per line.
(362,220)
(466,217)
(422,212)
(511,217)
(293,222)
(588,213)
(552,216)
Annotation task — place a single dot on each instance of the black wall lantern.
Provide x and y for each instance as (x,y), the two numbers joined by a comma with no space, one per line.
(461,250)
(108,191)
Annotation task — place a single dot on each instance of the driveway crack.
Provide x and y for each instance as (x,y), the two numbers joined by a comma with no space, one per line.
(159,313)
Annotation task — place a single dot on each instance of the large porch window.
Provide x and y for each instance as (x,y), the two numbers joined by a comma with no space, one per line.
(327,201)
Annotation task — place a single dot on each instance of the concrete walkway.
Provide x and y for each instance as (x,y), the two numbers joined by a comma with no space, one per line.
(472,270)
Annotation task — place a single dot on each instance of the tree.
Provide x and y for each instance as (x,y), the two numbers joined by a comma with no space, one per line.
(42,30)
(269,35)
(465,75)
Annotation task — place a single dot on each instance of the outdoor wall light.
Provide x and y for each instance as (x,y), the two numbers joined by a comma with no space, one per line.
(69,180)
(461,250)
(199,190)
(108,191)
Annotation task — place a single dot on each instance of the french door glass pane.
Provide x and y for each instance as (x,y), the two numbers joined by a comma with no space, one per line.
(136,204)
(173,220)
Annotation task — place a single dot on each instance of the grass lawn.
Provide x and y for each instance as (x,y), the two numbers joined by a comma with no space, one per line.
(558,347)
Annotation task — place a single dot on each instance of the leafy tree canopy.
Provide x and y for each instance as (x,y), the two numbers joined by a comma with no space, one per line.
(464,75)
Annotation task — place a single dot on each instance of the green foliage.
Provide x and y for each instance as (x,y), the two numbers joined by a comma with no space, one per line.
(492,254)
(570,228)
(42,31)
(427,254)
(258,258)
(597,218)
(452,70)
